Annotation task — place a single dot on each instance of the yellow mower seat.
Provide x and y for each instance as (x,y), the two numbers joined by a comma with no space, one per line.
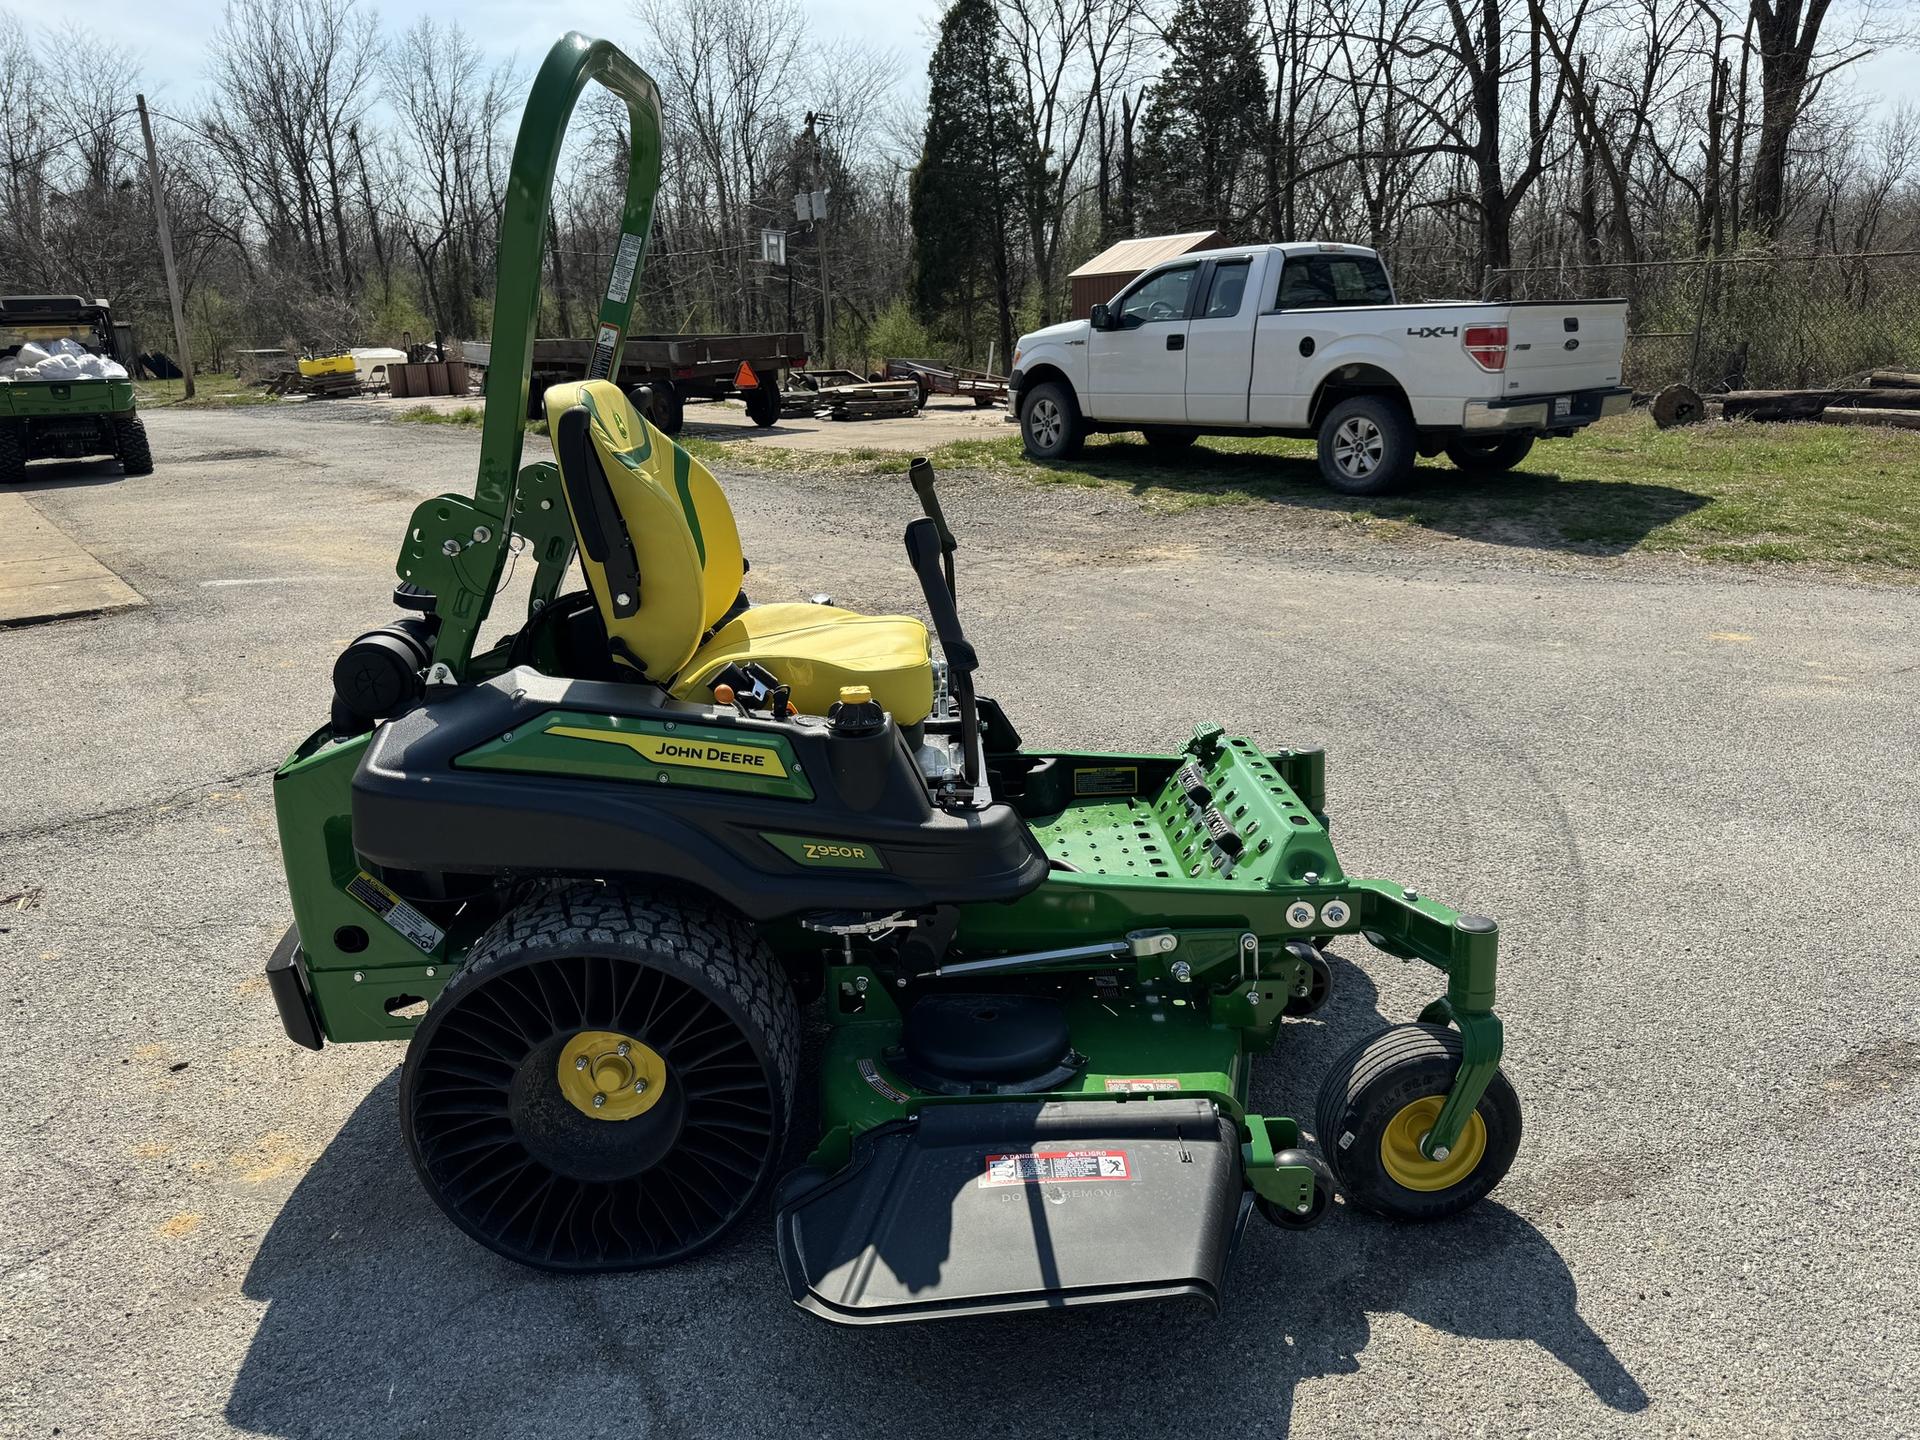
(661,554)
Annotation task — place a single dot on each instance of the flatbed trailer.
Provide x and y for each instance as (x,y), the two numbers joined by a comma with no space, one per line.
(675,369)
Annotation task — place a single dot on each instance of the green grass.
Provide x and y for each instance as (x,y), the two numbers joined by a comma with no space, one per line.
(1826,496)
(466,415)
(214,391)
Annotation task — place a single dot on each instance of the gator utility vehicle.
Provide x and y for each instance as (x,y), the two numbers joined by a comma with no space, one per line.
(65,416)
(599,877)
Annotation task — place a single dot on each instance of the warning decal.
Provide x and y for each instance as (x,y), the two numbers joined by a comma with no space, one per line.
(870,1073)
(395,911)
(1127,1084)
(1106,780)
(625,260)
(1047,1167)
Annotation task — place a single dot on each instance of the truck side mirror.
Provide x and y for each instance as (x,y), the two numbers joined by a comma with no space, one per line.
(1098,319)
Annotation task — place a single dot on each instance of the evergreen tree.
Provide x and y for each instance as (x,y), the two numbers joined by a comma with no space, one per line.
(964,194)
(1203,118)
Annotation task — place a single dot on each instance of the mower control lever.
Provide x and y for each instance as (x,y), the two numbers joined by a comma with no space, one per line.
(920,475)
(925,553)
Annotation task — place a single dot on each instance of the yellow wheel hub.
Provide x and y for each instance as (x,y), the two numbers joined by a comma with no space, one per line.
(611,1076)
(1400,1147)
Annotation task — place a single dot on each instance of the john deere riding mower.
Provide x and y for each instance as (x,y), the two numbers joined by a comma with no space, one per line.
(600,875)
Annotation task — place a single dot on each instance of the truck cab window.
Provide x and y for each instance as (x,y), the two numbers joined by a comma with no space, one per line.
(1310,281)
(1163,297)
(1228,290)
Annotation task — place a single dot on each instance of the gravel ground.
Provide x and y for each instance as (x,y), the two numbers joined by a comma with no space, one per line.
(1688,795)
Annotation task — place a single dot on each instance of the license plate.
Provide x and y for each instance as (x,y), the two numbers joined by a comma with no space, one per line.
(1562,406)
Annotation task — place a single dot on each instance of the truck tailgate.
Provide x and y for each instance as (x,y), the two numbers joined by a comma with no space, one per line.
(1560,345)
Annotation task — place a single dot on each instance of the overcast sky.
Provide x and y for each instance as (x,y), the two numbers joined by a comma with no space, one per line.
(170,35)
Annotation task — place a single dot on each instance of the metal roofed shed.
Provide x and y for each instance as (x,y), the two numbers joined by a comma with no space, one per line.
(1106,274)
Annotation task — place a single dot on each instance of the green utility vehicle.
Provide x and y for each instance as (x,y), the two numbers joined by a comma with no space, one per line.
(64,416)
(601,876)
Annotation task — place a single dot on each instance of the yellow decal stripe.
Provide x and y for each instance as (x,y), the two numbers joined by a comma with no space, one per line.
(701,754)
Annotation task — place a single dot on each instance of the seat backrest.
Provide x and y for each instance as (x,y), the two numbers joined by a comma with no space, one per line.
(658,542)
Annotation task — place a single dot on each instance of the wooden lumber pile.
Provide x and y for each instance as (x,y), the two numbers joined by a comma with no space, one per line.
(1889,397)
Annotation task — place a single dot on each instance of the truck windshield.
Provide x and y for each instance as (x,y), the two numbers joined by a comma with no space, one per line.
(1310,281)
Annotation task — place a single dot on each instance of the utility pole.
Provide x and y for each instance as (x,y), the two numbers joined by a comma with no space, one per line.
(818,121)
(184,356)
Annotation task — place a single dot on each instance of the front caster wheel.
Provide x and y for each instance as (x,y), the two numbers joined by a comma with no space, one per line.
(606,1083)
(1377,1105)
(1316,1209)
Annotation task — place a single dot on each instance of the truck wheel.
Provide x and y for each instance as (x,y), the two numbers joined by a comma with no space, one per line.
(1166,438)
(763,403)
(13,451)
(1367,445)
(1489,457)
(130,444)
(1050,422)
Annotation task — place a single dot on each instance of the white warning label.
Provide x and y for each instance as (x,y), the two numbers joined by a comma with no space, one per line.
(625,259)
(1128,1084)
(1047,1167)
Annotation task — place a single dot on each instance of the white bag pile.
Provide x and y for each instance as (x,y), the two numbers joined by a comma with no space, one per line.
(59,360)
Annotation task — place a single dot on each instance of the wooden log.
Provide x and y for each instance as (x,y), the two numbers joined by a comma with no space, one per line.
(1807,404)
(1894,380)
(1864,415)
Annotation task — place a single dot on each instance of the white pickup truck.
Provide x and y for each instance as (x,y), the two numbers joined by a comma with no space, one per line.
(1308,340)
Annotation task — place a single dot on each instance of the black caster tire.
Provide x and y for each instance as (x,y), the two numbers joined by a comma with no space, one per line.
(606,1083)
(1376,1105)
(1367,445)
(1319,988)
(1489,457)
(1316,1211)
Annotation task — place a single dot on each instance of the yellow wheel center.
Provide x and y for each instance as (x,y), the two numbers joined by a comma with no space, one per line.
(1400,1147)
(610,1076)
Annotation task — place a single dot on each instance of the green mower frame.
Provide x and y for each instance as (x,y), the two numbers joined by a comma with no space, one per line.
(490,855)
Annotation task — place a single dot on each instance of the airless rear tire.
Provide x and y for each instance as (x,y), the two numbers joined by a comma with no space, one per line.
(606,1083)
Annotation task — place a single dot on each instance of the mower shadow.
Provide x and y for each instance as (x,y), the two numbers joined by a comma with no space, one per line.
(382,1319)
(1533,508)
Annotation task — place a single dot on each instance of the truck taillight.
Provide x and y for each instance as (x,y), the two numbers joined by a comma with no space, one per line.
(1487,344)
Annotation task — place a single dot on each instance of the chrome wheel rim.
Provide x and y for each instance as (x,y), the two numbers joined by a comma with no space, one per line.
(1358,446)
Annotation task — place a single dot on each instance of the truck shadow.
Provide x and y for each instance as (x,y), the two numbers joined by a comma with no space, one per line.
(381,1318)
(1533,507)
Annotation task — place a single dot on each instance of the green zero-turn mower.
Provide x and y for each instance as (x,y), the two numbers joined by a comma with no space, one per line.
(596,874)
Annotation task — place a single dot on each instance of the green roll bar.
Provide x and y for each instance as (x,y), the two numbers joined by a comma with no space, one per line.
(456,546)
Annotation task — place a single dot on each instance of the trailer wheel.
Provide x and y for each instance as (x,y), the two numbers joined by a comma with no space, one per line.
(130,444)
(661,403)
(13,451)
(763,403)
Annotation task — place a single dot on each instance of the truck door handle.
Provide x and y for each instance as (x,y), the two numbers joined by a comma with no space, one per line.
(1176,342)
